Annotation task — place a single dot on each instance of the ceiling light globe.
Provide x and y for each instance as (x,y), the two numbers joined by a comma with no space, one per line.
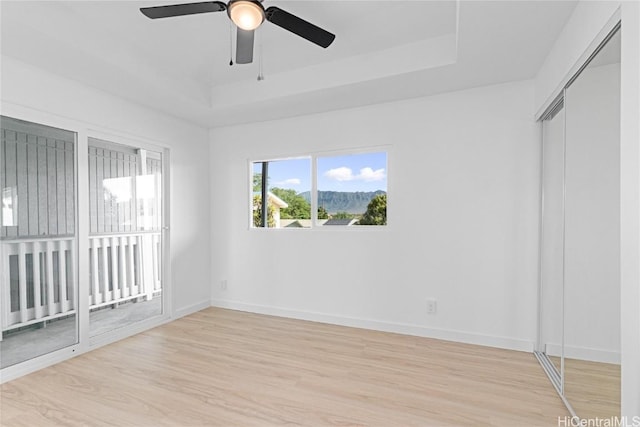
(246,14)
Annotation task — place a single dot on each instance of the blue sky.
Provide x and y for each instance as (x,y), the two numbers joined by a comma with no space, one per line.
(358,172)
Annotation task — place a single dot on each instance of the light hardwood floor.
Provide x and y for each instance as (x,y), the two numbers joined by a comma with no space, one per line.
(222,367)
(592,388)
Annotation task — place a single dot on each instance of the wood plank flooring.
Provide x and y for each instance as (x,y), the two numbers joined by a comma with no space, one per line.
(592,388)
(227,368)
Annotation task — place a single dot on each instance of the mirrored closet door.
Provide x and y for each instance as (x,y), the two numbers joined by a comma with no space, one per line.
(552,240)
(579,334)
(592,234)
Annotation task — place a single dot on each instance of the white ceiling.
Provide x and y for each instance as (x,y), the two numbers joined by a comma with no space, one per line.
(384,50)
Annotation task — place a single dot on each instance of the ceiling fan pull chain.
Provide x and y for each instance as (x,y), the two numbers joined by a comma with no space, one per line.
(230,44)
(260,74)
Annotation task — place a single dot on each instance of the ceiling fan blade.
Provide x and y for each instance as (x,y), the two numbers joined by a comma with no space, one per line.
(183,9)
(299,26)
(244,46)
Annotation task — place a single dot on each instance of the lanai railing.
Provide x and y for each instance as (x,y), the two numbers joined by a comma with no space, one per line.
(39,275)
(133,268)
(38,280)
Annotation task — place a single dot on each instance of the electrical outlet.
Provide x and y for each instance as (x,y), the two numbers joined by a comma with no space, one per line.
(432,306)
(223,284)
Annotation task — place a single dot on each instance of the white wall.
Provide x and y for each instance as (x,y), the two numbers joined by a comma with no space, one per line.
(463,220)
(35,89)
(630,208)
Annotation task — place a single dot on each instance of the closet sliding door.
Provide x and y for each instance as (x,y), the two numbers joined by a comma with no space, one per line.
(592,235)
(579,328)
(552,242)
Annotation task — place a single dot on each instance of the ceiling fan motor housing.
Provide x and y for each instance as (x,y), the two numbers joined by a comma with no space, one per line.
(246,14)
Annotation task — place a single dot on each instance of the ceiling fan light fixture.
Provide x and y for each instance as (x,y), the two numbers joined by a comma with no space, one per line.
(246,14)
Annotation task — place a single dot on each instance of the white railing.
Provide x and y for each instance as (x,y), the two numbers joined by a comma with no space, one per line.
(38,280)
(133,267)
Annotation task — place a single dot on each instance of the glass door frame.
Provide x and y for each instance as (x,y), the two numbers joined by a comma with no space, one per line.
(45,242)
(83,150)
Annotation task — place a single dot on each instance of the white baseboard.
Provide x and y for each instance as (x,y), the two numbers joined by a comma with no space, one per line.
(185,311)
(400,328)
(584,353)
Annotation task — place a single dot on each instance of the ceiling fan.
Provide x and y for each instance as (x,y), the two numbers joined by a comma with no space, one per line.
(247,15)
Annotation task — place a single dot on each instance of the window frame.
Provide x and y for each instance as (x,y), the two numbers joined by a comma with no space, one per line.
(250,165)
(313,157)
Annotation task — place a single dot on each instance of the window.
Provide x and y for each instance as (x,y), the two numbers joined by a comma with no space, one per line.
(352,189)
(348,190)
(287,187)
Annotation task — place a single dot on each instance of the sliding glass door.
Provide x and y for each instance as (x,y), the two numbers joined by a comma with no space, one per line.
(125,235)
(68,275)
(38,240)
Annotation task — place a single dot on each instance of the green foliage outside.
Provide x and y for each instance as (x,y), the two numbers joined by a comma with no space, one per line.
(257,213)
(376,213)
(298,207)
(343,215)
(322,213)
(257,182)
